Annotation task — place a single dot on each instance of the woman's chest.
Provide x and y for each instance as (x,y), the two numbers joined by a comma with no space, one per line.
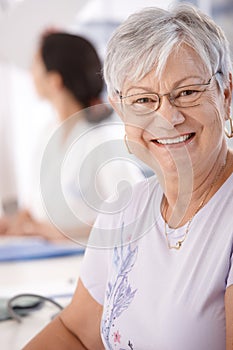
(158,300)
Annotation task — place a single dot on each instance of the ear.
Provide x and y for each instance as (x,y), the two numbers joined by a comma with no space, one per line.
(228,97)
(116,105)
(55,80)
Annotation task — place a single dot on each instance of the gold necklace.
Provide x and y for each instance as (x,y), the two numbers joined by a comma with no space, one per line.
(179,243)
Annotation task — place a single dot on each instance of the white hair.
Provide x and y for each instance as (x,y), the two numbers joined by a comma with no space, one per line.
(147,38)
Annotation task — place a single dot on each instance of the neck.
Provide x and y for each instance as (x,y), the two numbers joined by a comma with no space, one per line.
(185,190)
(66,105)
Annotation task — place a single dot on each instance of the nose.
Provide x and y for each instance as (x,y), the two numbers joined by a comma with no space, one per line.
(168,115)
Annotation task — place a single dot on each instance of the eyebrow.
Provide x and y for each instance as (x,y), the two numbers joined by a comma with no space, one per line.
(176,84)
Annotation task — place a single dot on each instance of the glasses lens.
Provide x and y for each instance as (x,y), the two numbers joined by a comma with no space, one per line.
(141,104)
(187,96)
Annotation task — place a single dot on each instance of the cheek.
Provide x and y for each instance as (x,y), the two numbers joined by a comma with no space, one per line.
(41,86)
(134,133)
(138,146)
(135,140)
(212,125)
(36,78)
(210,114)
(138,127)
(213,116)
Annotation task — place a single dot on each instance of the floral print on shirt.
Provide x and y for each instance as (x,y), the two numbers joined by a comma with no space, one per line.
(119,295)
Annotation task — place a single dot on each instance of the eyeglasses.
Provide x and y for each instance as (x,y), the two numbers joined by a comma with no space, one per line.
(183,96)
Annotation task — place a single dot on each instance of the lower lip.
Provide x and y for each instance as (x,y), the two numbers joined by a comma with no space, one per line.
(175,145)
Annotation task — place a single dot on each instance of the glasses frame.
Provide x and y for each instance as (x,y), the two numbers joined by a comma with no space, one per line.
(170,97)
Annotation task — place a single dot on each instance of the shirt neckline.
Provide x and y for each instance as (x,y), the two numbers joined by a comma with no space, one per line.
(178,231)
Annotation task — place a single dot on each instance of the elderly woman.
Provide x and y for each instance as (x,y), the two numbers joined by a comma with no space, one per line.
(164,280)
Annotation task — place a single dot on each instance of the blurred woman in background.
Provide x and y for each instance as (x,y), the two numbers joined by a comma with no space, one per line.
(67,72)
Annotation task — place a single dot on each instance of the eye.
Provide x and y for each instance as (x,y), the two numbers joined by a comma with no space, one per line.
(142,103)
(144,99)
(187,93)
(185,96)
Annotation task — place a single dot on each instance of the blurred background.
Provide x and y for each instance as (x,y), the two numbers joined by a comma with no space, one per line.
(23,116)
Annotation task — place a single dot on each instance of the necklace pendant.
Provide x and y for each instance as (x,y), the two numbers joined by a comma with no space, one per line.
(177,246)
(179,243)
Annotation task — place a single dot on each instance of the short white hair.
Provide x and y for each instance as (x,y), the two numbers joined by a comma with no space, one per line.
(148,37)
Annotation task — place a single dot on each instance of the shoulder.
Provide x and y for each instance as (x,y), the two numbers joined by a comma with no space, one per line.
(126,212)
(145,189)
(130,195)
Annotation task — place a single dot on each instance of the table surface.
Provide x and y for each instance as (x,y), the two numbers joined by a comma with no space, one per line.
(48,277)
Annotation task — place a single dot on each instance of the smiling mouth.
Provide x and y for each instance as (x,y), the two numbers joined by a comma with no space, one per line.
(174,140)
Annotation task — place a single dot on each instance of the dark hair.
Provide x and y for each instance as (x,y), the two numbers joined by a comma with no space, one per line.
(77,61)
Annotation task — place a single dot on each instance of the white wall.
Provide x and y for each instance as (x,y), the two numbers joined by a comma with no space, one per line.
(22,115)
(21,25)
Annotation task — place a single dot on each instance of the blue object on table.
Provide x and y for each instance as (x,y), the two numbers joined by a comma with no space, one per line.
(36,248)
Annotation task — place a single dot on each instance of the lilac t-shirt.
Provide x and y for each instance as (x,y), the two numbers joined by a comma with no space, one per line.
(155,298)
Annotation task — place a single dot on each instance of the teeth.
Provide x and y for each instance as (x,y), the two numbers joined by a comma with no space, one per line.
(175,140)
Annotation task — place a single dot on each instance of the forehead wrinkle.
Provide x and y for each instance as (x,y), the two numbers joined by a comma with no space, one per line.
(176,84)
(179,69)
